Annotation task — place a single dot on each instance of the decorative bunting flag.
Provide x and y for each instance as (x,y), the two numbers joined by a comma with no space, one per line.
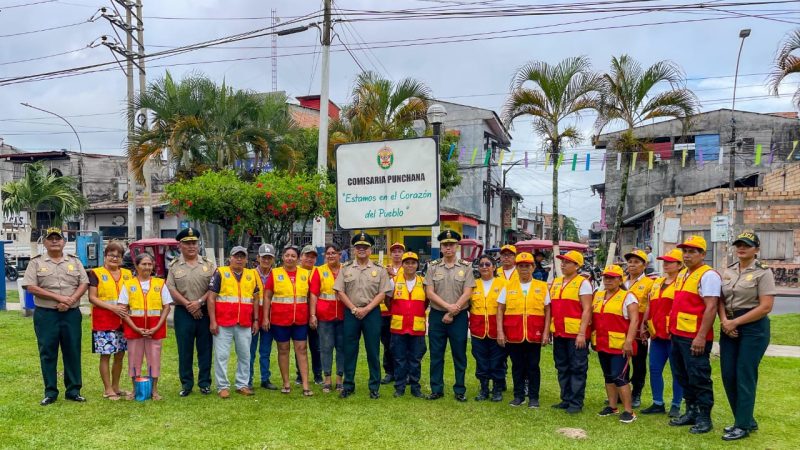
(721,151)
(526,160)
(587,161)
(461,153)
(574,161)
(546,160)
(772,149)
(603,162)
(698,152)
(650,160)
(488,157)
(619,160)
(474,154)
(683,157)
(633,162)
(452,149)
(560,160)
(757,161)
(500,158)
(794,146)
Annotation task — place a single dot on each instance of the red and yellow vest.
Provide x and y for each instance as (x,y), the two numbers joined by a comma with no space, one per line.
(686,315)
(661,297)
(609,325)
(328,307)
(145,310)
(234,304)
(524,316)
(395,276)
(565,307)
(501,273)
(408,308)
(108,291)
(641,289)
(289,301)
(483,309)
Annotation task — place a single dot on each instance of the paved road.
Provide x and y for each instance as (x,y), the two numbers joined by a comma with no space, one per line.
(786,305)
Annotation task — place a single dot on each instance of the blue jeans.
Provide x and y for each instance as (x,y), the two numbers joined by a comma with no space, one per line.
(263,343)
(660,352)
(331,336)
(407,351)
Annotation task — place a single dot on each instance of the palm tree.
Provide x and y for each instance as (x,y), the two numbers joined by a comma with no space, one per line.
(380,109)
(550,95)
(626,97)
(39,189)
(786,63)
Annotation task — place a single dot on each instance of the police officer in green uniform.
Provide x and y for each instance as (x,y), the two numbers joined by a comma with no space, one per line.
(57,282)
(748,293)
(187,281)
(448,284)
(362,286)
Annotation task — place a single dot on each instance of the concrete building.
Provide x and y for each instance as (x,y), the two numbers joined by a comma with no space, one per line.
(699,168)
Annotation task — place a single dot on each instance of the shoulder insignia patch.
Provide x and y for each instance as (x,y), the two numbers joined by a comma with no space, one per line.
(435,262)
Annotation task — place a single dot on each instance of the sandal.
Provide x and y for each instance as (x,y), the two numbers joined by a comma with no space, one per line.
(156,396)
(112,397)
(130,396)
(308,393)
(122,393)
(286,390)
(339,387)
(326,388)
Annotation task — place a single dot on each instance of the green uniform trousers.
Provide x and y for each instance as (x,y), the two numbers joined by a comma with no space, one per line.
(56,329)
(739,359)
(439,334)
(370,327)
(191,333)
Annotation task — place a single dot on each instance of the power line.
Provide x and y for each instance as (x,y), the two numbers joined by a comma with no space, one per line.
(22,5)
(38,58)
(41,30)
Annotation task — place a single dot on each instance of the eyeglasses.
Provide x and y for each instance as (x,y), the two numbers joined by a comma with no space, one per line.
(113,256)
(486,264)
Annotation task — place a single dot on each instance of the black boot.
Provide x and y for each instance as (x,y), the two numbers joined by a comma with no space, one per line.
(484,392)
(497,392)
(689,418)
(703,422)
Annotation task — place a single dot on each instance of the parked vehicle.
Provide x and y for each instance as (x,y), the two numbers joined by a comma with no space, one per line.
(163,251)
(11,272)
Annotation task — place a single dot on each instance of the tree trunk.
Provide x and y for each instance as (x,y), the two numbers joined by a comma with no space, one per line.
(623,196)
(555,221)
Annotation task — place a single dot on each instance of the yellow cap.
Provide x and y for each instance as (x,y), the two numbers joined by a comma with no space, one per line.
(397,245)
(637,253)
(572,256)
(508,248)
(613,271)
(694,242)
(410,255)
(674,255)
(524,258)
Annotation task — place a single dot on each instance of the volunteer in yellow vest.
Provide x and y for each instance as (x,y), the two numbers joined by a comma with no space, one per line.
(286,314)
(233,314)
(615,319)
(522,319)
(489,356)
(656,317)
(507,268)
(327,316)
(408,306)
(261,343)
(148,302)
(394,268)
(308,257)
(638,284)
(691,321)
(571,311)
(105,284)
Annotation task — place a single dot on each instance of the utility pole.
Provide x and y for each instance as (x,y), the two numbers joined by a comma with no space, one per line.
(131,112)
(319,227)
(147,231)
(274,51)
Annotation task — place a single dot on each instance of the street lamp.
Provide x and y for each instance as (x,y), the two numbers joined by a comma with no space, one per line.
(80,146)
(436,114)
(743,34)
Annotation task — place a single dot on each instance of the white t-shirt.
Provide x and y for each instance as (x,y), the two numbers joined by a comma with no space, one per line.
(586,288)
(710,284)
(409,284)
(487,286)
(525,288)
(629,300)
(166,298)
(630,282)
(509,272)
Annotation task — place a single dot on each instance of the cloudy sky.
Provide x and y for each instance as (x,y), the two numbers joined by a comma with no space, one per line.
(467,59)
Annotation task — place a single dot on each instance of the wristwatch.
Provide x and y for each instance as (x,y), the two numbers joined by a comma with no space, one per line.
(354,310)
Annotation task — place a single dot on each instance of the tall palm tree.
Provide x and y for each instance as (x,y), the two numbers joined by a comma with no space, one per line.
(380,109)
(627,96)
(39,189)
(786,63)
(552,94)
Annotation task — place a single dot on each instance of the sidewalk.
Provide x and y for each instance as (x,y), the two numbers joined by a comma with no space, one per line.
(788,292)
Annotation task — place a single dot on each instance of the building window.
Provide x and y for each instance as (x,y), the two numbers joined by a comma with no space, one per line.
(114,232)
(169,234)
(776,245)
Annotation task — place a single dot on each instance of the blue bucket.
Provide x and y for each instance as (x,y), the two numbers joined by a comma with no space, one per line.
(29,300)
(142,388)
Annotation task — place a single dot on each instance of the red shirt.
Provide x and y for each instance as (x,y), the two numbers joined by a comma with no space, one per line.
(270,284)
(315,283)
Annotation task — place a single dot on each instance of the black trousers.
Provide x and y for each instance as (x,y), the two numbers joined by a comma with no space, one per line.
(370,327)
(525,358)
(316,356)
(439,334)
(693,373)
(572,365)
(408,352)
(639,364)
(193,334)
(54,330)
(739,359)
(386,340)
(489,360)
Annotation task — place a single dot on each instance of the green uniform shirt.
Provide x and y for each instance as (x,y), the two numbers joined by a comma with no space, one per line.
(449,281)
(191,281)
(742,289)
(62,277)
(362,283)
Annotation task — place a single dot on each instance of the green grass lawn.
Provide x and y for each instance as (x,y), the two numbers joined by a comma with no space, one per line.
(273,420)
(784,329)
(12,296)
